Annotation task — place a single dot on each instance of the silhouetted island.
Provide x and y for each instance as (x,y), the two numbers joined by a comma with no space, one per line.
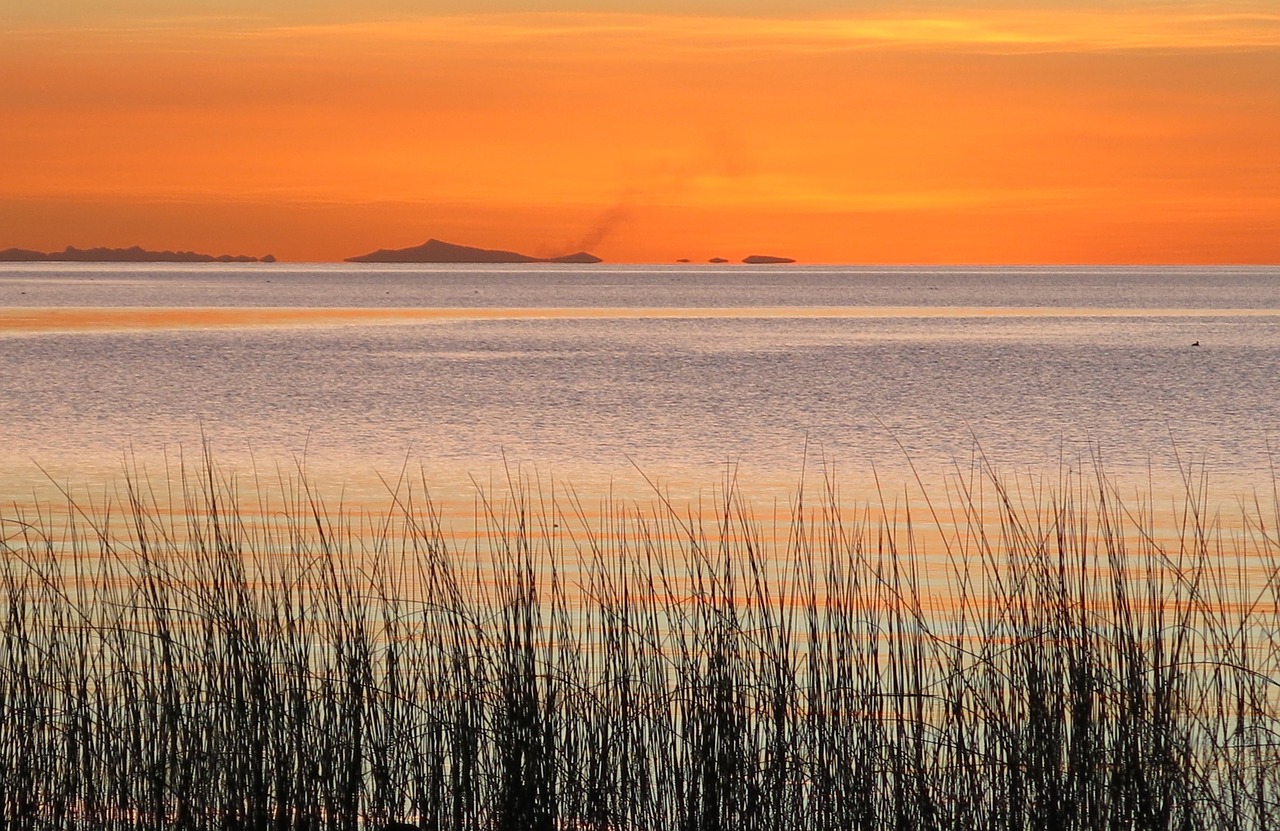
(761,259)
(135,254)
(717,260)
(437,251)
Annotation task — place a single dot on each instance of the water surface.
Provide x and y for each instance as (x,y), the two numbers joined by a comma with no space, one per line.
(591,374)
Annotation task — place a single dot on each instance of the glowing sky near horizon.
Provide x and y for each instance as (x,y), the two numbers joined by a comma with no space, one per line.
(647,131)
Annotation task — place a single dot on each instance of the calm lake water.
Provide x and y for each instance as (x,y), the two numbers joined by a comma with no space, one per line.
(589,374)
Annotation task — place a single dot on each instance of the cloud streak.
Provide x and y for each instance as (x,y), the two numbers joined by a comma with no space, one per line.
(1008,30)
(1021,29)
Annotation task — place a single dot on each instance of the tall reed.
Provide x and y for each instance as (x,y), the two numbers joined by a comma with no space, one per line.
(176,656)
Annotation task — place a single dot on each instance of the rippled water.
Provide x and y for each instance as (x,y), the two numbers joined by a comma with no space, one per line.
(588,373)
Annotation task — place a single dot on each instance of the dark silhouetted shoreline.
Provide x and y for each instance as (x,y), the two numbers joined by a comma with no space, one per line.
(438,251)
(134,254)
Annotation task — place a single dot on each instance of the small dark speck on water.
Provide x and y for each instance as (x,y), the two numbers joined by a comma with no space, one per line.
(1197,343)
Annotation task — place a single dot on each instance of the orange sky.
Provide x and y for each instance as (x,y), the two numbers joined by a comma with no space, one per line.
(837,132)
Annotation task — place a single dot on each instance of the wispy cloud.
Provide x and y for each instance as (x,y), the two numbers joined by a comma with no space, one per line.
(1011,30)
(1022,29)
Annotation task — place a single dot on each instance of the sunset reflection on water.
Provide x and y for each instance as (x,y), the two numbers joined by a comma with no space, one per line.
(31,320)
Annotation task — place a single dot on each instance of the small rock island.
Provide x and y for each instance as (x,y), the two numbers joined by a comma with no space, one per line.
(762,259)
(438,251)
(134,254)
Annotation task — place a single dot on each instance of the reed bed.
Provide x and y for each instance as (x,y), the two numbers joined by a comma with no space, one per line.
(1054,658)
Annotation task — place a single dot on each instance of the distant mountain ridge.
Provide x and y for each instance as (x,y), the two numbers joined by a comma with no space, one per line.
(134,254)
(438,251)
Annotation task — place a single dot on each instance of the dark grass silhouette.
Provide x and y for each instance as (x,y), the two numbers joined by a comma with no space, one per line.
(1046,663)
